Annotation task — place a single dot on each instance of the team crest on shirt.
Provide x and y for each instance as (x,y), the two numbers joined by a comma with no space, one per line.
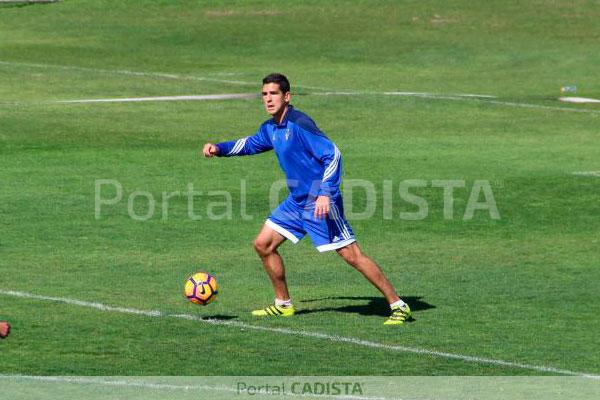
(287,134)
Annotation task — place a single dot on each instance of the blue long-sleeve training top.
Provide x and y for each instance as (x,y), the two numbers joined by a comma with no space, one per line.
(312,163)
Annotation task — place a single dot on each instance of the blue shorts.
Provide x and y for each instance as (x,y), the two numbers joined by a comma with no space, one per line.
(294,221)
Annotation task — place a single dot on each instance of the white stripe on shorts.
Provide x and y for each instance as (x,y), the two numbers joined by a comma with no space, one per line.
(279,229)
(335,246)
(335,213)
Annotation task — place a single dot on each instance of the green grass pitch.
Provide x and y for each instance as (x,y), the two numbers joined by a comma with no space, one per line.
(522,288)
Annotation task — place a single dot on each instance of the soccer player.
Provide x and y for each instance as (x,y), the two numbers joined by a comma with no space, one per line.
(313,167)
(4,329)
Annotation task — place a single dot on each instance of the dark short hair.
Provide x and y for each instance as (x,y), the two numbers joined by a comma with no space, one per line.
(279,79)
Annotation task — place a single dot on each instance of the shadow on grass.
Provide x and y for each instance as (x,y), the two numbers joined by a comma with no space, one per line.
(219,317)
(376,306)
(25,3)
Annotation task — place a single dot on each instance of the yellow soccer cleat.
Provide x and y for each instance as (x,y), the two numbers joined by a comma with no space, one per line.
(275,311)
(398,316)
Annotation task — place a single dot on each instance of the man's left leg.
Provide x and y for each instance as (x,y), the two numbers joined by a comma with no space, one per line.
(335,233)
(353,255)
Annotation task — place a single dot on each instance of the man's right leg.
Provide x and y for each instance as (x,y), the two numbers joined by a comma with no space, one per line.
(266,244)
(285,222)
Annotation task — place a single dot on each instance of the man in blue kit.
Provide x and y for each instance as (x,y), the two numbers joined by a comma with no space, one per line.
(313,167)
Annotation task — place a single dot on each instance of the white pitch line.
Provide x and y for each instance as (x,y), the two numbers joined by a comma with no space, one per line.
(482,98)
(168,386)
(541,107)
(209,79)
(144,74)
(436,95)
(578,100)
(452,97)
(164,98)
(308,334)
(131,73)
(514,104)
(457,97)
(149,385)
(406,94)
(587,173)
(234,82)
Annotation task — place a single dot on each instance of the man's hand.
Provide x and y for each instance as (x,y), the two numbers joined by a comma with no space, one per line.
(4,329)
(321,207)
(210,150)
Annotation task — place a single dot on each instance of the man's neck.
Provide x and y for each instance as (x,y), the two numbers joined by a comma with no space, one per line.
(278,118)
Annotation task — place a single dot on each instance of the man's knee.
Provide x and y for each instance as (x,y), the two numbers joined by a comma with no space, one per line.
(263,247)
(351,254)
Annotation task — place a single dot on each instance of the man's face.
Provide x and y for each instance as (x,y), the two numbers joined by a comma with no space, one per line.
(274,99)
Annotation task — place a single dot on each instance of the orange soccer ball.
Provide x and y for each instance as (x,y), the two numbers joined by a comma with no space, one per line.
(201,288)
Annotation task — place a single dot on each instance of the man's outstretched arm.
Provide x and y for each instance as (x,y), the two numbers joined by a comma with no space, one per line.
(254,144)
